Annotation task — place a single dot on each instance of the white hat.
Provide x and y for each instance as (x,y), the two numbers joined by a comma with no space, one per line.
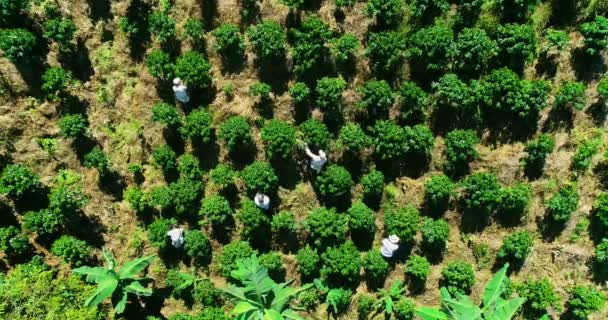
(177,81)
(393,238)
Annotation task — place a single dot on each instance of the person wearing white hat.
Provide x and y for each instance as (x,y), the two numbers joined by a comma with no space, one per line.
(181,92)
(177,237)
(262,201)
(316,161)
(389,246)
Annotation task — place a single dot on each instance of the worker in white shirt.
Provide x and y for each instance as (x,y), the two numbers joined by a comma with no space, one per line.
(316,161)
(181,93)
(177,237)
(389,246)
(262,201)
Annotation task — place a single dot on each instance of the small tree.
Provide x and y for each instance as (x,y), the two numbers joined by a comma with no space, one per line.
(73,126)
(385,49)
(194,70)
(460,150)
(198,247)
(417,269)
(375,266)
(563,203)
(44,222)
(537,150)
(188,167)
(194,31)
(376,97)
(256,223)
(422,8)
(231,253)
(353,138)
(335,181)
(268,40)
(429,47)
(185,194)
(453,101)
(438,191)
(344,49)
(326,227)
(18,44)
(514,200)
(539,295)
(159,64)
(236,133)
(229,41)
(11,10)
(481,193)
(308,262)
(162,26)
(216,209)
(373,184)
(435,234)
(570,95)
(197,126)
(403,222)
(585,300)
(329,92)
(362,220)
(389,140)
(419,141)
(280,138)
(284,223)
(458,277)
(157,232)
(315,133)
(595,34)
(473,50)
(516,247)
(341,264)
(413,102)
(223,176)
(166,114)
(517,43)
(13,243)
(515,9)
(300,93)
(165,158)
(262,90)
(18,181)
(386,13)
(61,30)
(56,83)
(72,250)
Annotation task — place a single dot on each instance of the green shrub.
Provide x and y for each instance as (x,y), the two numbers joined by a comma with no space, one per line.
(404,309)
(585,300)
(73,126)
(259,177)
(17,181)
(365,306)
(71,250)
(563,203)
(56,82)
(18,44)
(235,250)
(571,95)
(67,194)
(338,299)
(268,40)
(376,97)
(539,295)
(389,140)
(209,296)
(387,13)
(309,49)
(537,150)
(198,246)
(166,114)
(514,200)
(452,100)
(315,133)
(419,141)
(375,266)
(341,264)
(165,158)
(293,4)
(197,126)
(529,100)
(498,87)
(299,93)
(274,263)
(309,299)
(44,222)
(435,234)
(413,102)
(481,193)
(362,220)
(194,30)
(229,41)
(60,30)
(326,227)
(161,196)
(473,50)
(429,47)
(188,167)
(353,138)
(216,209)
(595,34)
(162,26)
(13,243)
(284,223)
(255,221)
(438,191)
(555,40)
(10,11)
(373,184)
(308,262)
(344,48)
(138,199)
(223,175)
(385,50)
(581,160)
(194,70)
(157,232)
(515,9)
(602,90)
(517,42)
(516,246)
(260,89)
(329,92)
(403,222)
(460,150)
(236,133)
(159,64)
(417,269)
(458,276)
(279,137)
(422,8)
(600,210)
(185,194)
(335,181)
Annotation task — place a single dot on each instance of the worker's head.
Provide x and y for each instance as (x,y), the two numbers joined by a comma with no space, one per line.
(177,81)
(393,238)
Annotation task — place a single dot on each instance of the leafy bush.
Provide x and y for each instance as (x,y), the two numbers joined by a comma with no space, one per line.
(283,222)
(585,300)
(162,26)
(438,191)
(138,199)
(402,222)
(197,126)
(373,184)
(309,50)
(71,250)
(595,34)
(222,175)
(166,114)
(458,276)
(165,158)
(473,50)
(268,40)
(73,126)
(387,13)
(13,243)
(353,138)
(299,93)
(555,40)
(17,181)
(232,252)
(185,194)
(375,266)
(429,47)
(194,70)
(216,209)
(516,246)
(341,264)
(417,269)
(274,263)
(67,194)
(385,49)
(602,90)
(161,196)
(481,193)
(188,167)
(308,262)
(326,227)
(329,92)
(293,4)
(279,137)
(365,306)
(236,133)
(460,150)
(229,41)
(56,82)
(255,221)
(362,220)
(157,232)
(515,9)
(335,181)
(260,89)
(198,246)
(60,30)
(539,295)
(581,160)
(194,30)
(389,140)
(514,200)
(344,48)
(563,203)
(309,299)
(435,234)
(529,100)
(44,222)
(571,95)
(517,42)
(413,101)
(10,11)
(537,150)
(259,177)
(422,8)
(159,64)
(315,133)
(338,299)
(18,44)
(600,210)
(498,87)
(376,97)
(419,141)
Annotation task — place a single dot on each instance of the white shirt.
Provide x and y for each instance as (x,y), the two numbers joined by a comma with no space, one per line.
(262,201)
(317,161)
(181,94)
(177,237)
(388,248)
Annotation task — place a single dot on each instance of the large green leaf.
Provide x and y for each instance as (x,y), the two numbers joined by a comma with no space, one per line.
(137,289)
(133,267)
(292,315)
(426,313)
(388,305)
(105,289)
(283,294)
(95,274)
(243,307)
(109,257)
(120,305)
(254,277)
(506,309)
(270,314)
(239,294)
(495,287)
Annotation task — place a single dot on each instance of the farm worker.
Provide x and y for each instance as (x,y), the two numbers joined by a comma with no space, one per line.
(177,237)
(316,161)
(389,246)
(262,201)
(181,93)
